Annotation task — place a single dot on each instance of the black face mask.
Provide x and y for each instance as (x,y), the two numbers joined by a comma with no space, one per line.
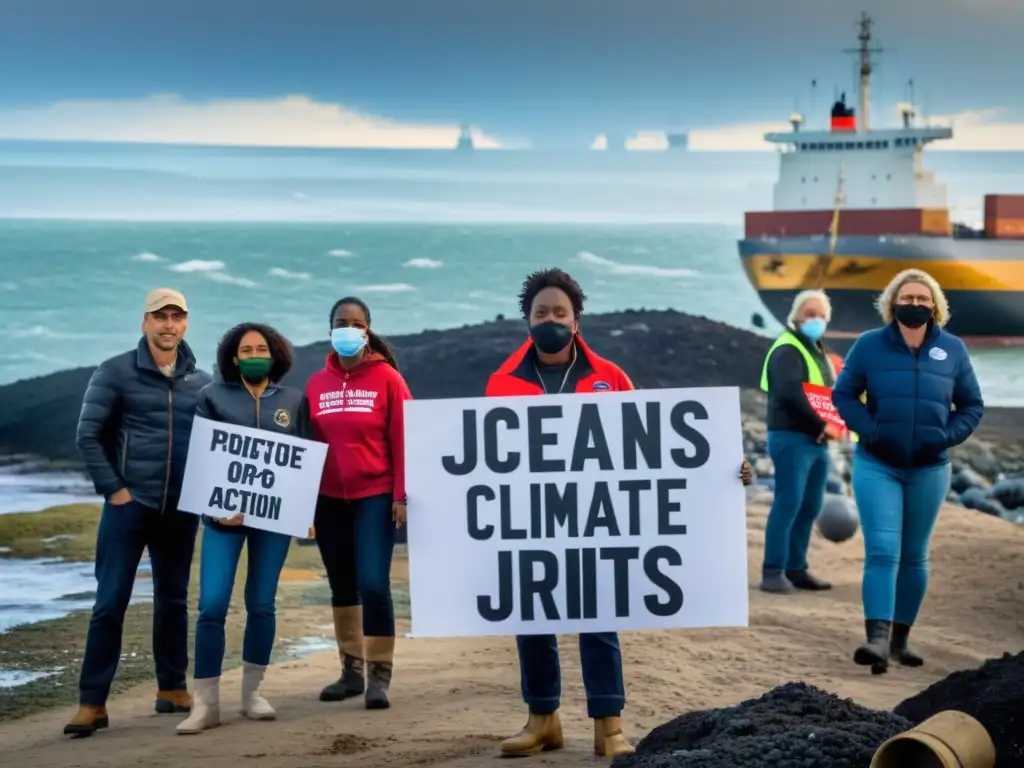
(913,315)
(550,337)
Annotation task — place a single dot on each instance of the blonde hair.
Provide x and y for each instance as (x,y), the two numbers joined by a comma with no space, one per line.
(802,298)
(886,302)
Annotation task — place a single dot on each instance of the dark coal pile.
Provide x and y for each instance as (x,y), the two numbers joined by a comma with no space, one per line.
(793,726)
(992,694)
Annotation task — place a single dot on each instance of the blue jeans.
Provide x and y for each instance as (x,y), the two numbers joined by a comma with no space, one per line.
(898,510)
(357,540)
(124,532)
(541,675)
(801,472)
(218,564)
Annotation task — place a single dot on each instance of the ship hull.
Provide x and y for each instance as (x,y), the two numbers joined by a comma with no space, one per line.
(983,279)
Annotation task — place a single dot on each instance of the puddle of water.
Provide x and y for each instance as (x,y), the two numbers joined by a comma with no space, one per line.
(306,646)
(12,678)
(49,588)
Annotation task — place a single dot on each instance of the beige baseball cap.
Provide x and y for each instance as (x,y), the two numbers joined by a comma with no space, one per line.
(159,298)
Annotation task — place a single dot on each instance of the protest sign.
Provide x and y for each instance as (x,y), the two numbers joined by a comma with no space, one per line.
(576,513)
(271,478)
(820,399)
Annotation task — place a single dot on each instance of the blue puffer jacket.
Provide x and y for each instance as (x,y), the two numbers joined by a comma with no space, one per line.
(909,420)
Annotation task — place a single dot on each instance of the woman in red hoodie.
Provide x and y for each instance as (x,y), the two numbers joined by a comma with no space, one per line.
(357,408)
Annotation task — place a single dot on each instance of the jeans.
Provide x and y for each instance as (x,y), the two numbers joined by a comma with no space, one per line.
(357,539)
(801,472)
(124,532)
(541,674)
(218,564)
(898,510)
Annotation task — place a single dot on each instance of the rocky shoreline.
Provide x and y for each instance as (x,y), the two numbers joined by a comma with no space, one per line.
(657,348)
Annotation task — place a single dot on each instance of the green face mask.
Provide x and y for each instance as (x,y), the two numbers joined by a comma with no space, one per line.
(255,369)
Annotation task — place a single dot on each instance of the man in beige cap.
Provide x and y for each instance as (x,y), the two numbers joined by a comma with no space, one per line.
(133,434)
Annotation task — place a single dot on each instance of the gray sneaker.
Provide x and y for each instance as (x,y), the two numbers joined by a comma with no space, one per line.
(776,583)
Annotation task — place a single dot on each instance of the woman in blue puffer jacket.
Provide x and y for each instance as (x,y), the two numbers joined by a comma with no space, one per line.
(922,399)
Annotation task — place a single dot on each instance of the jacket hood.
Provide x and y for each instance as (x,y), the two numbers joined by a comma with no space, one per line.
(370,359)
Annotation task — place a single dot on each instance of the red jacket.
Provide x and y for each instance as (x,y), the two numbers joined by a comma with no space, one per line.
(590,373)
(360,414)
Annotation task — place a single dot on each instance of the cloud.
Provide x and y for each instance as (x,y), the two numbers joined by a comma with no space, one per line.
(289,121)
(973,130)
(980,130)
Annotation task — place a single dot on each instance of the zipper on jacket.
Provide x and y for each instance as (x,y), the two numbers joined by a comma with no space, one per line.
(170,444)
(257,399)
(913,431)
(124,454)
(344,388)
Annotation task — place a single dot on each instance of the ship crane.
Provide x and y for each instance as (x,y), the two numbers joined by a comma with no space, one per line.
(864,51)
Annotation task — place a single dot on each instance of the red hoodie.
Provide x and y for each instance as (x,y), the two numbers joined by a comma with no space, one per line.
(360,414)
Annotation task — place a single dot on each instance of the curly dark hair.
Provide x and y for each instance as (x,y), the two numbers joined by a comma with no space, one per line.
(551,278)
(375,342)
(227,351)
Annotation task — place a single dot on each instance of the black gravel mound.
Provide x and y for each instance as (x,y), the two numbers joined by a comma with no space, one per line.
(793,726)
(656,348)
(993,694)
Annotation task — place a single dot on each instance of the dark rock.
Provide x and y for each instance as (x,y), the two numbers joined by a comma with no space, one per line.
(967,478)
(976,498)
(993,694)
(38,416)
(1009,492)
(793,726)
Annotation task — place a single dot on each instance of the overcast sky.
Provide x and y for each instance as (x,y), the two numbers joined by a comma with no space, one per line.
(551,72)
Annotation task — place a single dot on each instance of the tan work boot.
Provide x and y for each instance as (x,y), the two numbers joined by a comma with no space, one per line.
(609,740)
(543,733)
(380,663)
(348,632)
(87,721)
(173,702)
(206,712)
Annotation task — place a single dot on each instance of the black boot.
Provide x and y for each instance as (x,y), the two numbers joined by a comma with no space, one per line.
(875,652)
(807,581)
(899,651)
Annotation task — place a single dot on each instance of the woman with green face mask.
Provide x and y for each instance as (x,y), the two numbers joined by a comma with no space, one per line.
(251,361)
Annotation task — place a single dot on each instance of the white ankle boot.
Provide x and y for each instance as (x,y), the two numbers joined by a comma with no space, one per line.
(254,706)
(205,707)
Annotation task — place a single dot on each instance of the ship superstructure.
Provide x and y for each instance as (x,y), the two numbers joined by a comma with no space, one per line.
(854,205)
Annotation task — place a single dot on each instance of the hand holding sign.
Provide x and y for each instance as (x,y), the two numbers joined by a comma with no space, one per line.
(820,399)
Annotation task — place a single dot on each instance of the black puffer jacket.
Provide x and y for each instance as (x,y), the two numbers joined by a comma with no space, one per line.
(280,409)
(136,422)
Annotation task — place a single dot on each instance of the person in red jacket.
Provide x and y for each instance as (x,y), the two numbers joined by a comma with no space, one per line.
(357,407)
(556,360)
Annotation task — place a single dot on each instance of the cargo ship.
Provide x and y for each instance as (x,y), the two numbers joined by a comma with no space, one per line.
(853,206)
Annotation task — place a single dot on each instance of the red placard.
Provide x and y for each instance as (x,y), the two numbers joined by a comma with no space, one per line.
(820,399)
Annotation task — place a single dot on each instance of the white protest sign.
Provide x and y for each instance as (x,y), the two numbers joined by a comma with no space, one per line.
(576,513)
(271,478)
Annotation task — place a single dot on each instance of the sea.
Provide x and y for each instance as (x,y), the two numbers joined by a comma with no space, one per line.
(431,240)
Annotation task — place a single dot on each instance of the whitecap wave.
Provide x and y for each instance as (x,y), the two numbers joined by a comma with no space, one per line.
(8,286)
(38,332)
(288,275)
(197,265)
(424,263)
(388,288)
(618,268)
(225,279)
(340,253)
(146,256)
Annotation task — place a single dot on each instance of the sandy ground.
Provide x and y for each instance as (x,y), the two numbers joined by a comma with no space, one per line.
(454,700)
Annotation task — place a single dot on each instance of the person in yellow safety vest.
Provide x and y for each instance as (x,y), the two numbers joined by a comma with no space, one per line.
(797,439)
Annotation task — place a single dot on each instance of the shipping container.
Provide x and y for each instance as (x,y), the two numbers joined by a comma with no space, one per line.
(1004,229)
(1004,207)
(868,222)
